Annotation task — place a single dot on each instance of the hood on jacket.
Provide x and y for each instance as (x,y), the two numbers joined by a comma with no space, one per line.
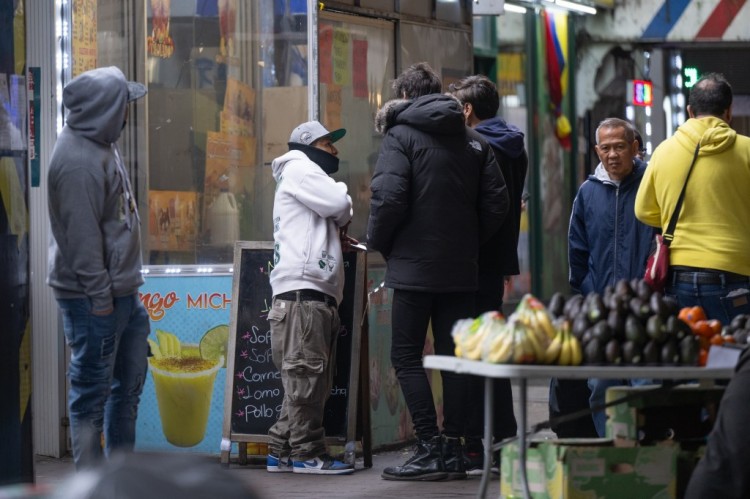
(713,133)
(435,114)
(600,173)
(96,101)
(502,136)
(279,164)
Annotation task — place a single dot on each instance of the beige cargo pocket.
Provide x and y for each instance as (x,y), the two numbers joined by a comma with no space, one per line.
(305,380)
(277,320)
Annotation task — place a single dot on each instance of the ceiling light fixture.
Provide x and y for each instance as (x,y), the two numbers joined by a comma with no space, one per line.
(509,7)
(576,7)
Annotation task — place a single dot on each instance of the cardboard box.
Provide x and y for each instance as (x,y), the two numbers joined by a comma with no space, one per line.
(651,417)
(581,470)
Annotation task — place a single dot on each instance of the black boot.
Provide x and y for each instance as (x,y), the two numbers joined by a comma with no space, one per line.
(426,464)
(453,456)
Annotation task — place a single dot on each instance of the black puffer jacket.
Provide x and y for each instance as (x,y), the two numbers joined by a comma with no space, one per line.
(437,193)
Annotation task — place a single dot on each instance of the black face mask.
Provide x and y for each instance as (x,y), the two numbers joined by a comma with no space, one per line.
(325,160)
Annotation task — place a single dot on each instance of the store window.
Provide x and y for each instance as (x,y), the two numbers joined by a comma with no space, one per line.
(227,83)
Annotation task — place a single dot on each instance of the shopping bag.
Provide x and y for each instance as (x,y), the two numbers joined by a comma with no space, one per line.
(657,265)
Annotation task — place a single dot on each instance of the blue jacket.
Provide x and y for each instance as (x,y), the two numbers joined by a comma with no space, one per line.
(606,243)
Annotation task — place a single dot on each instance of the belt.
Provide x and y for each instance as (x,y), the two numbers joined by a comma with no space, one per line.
(307,295)
(706,276)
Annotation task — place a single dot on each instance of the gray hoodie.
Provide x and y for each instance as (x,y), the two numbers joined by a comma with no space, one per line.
(96,247)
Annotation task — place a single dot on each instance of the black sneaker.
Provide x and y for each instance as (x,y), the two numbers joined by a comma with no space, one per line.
(322,465)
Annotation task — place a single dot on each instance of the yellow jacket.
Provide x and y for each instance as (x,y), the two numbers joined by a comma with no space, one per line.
(712,229)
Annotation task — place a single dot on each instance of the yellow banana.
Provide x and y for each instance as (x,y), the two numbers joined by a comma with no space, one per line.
(553,350)
(576,353)
(545,323)
(536,347)
(501,350)
(565,351)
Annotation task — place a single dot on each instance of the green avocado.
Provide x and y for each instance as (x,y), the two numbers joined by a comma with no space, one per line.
(634,330)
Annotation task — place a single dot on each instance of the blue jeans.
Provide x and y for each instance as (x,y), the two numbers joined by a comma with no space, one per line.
(711,297)
(598,388)
(108,364)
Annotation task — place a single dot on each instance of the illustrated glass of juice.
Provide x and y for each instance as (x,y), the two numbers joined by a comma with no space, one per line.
(184,386)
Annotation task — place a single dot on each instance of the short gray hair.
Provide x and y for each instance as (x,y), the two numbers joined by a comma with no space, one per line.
(617,123)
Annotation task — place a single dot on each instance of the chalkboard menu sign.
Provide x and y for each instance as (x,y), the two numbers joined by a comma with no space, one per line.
(254,392)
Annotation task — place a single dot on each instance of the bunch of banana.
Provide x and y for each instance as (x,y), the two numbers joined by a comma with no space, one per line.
(469,334)
(500,347)
(532,312)
(565,349)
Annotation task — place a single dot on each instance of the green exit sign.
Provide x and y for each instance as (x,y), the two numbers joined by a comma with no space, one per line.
(691,76)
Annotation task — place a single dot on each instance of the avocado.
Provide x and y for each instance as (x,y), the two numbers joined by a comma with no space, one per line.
(596,308)
(556,305)
(639,308)
(586,337)
(631,353)
(689,348)
(616,322)
(580,325)
(634,330)
(609,292)
(651,353)
(643,291)
(634,285)
(682,329)
(602,332)
(655,329)
(613,352)
(572,307)
(622,288)
(669,354)
(593,352)
(657,306)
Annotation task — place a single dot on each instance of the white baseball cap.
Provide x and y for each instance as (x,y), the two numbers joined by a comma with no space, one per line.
(309,132)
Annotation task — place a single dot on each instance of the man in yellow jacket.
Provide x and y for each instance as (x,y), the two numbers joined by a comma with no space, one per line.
(709,255)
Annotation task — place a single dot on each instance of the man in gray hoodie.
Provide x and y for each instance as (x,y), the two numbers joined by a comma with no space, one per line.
(95,265)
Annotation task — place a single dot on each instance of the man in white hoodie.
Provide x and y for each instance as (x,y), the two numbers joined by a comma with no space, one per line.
(310,214)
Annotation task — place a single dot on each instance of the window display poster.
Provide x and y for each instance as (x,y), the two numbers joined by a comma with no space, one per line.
(239,100)
(359,68)
(83,39)
(172,223)
(325,49)
(341,47)
(333,106)
(182,405)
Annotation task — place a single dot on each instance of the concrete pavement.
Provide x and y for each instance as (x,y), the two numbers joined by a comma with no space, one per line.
(364,483)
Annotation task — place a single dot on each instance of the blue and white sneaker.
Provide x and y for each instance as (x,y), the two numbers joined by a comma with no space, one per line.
(278,464)
(322,465)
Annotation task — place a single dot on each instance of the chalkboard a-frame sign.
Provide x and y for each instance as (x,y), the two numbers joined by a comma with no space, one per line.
(253,396)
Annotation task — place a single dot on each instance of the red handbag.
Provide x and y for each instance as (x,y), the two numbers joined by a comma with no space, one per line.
(657,265)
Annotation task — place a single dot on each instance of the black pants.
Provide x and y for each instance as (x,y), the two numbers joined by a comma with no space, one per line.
(724,470)
(489,297)
(565,397)
(411,314)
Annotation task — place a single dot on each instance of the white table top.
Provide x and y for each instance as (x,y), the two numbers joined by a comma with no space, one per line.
(528,371)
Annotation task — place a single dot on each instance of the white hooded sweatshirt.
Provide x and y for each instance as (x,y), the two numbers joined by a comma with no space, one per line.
(309,208)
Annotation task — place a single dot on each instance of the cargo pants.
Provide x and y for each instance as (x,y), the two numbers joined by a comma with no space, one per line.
(303,339)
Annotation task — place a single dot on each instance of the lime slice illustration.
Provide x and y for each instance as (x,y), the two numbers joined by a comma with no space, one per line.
(213,345)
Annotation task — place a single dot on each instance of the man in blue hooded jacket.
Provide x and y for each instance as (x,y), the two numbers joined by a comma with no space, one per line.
(498,256)
(95,264)
(606,243)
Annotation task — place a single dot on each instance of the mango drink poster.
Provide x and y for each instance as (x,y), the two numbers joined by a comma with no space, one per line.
(183,396)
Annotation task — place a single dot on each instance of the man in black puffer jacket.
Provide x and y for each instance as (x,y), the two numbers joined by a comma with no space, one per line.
(437,194)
